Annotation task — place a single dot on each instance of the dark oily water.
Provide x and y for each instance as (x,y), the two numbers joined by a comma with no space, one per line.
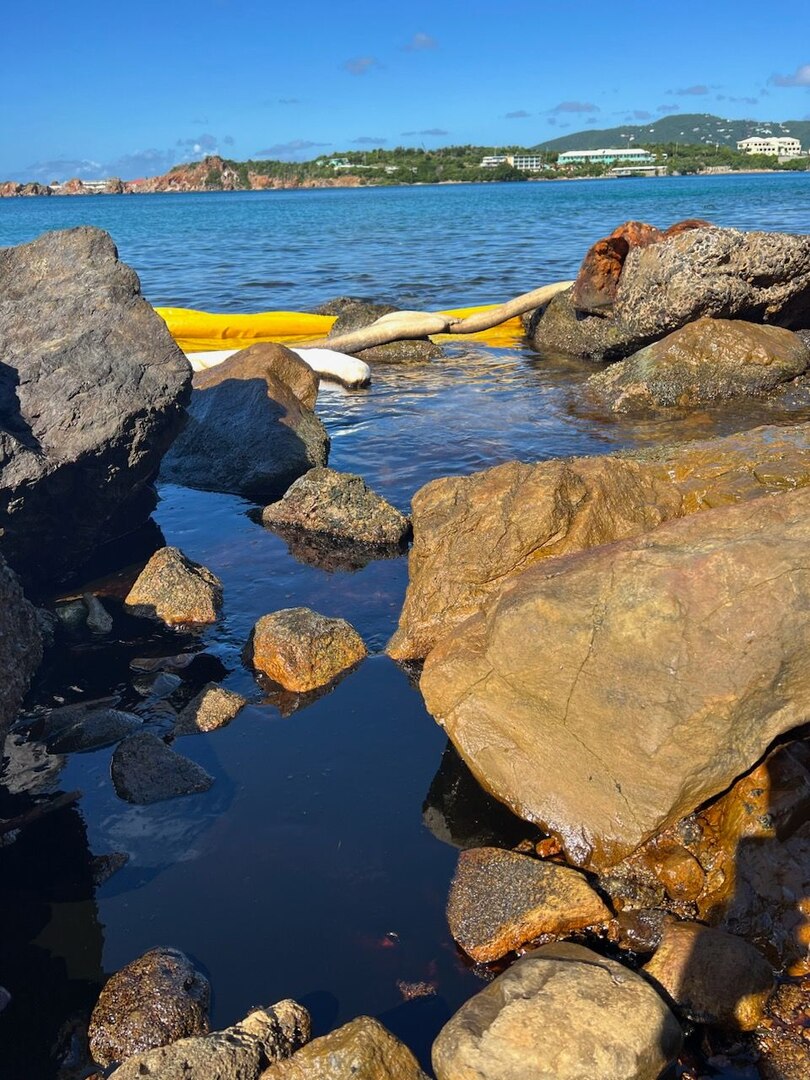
(317,866)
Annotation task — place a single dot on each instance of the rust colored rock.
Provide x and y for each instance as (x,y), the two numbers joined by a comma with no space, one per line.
(713,977)
(707,361)
(302,650)
(664,676)
(684,226)
(360,1050)
(173,588)
(500,900)
(259,361)
(598,277)
(782,1038)
(212,708)
(472,534)
(155,1000)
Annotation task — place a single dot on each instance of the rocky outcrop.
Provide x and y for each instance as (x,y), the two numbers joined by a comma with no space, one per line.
(598,278)
(339,505)
(500,900)
(155,1000)
(302,650)
(249,435)
(560,1013)
(265,360)
(713,977)
(92,389)
(701,272)
(176,590)
(707,361)
(144,770)
(664,676)
(212,708)
(20,647)
(473,533)
(353,314)
(360,1050)
(240,1052)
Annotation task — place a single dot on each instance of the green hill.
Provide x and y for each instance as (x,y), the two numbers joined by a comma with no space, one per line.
(686,128)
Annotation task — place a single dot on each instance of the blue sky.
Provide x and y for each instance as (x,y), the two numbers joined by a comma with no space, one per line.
(112,89)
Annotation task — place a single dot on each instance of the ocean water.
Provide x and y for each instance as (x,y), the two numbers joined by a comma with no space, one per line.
(318,864)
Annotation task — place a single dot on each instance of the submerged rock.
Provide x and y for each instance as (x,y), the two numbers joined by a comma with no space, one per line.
(473,533)
(240,1052)
(20,646)
(562,1012)
(664,675)
(302,650)
(144,770)
(357,314)
(91,395)
(360,1050)
(706,361)
(155,1000)
(76,728)
(713,977)
(212,708)
(173,588)
(500,900)
(339,505)
(265,360)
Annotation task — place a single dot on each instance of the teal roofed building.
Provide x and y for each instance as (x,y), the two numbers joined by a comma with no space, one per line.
(631,155)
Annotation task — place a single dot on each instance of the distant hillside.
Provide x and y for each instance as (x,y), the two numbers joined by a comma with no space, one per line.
(698,128)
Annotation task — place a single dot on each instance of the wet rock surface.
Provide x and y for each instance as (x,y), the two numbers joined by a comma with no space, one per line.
(240,1052)
(339,505)
(782,1039)
(677,612)
(155,1000)
(302,650)
(212,708)
(713,977)
(265,360)
(76,728)
(20,646)
(144,770)
(356,314)
(250,437)
(472,533)
(173,588)
(706,361)
(500,900)
(92,392)
(362,1049)
(560,1013)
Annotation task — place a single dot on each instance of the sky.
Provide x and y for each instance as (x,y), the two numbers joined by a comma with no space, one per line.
(130,90)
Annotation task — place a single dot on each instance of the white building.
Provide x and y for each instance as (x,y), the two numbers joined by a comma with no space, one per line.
(494,160)
(526,162)
(773,146)
(633,155)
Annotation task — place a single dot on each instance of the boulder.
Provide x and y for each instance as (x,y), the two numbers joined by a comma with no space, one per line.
(302,650)
(212,708)
(360,1050)
(559,329)
(240,1052)
(562,1012)
(266,358)
(713,977)
(707,361)
(247,436)
(340,505)
(144,771)
(155,1000)
(663,675)
(500,900)
(176,590)
(81,727)
(473,533)
(92,390)
(20,646)
(356,314)
(598,278)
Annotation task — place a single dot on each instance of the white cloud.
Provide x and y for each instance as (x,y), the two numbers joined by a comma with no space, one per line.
(800,77)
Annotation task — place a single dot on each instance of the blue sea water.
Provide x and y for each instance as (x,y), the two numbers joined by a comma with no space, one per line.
(311,868)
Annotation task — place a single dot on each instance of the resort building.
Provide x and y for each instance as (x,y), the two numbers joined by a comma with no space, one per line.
(632,155)
(494,160)
(526,162)
(774,147)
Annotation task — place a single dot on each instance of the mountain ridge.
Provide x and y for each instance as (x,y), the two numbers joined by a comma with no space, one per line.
(685,128)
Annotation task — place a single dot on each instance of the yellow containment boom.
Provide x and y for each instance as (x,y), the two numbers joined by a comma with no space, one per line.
(200,331)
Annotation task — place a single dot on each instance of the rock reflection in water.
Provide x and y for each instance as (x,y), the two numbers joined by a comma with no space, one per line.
(330,554)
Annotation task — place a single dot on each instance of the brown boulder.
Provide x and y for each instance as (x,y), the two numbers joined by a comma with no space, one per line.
(471,534)
(212,708)
(360,1050)
(259,361)
(302,650)
(500,900)
(156,999)
(173,588)
(598,277)
(664,675)
(713,977)
(706,361)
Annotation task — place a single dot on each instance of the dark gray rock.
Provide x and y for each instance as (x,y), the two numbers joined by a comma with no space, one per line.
(92,389)
(561,330)
(251,437)
(155,1000)
(357,314)
(144,770)
(20,646)
(76,728)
